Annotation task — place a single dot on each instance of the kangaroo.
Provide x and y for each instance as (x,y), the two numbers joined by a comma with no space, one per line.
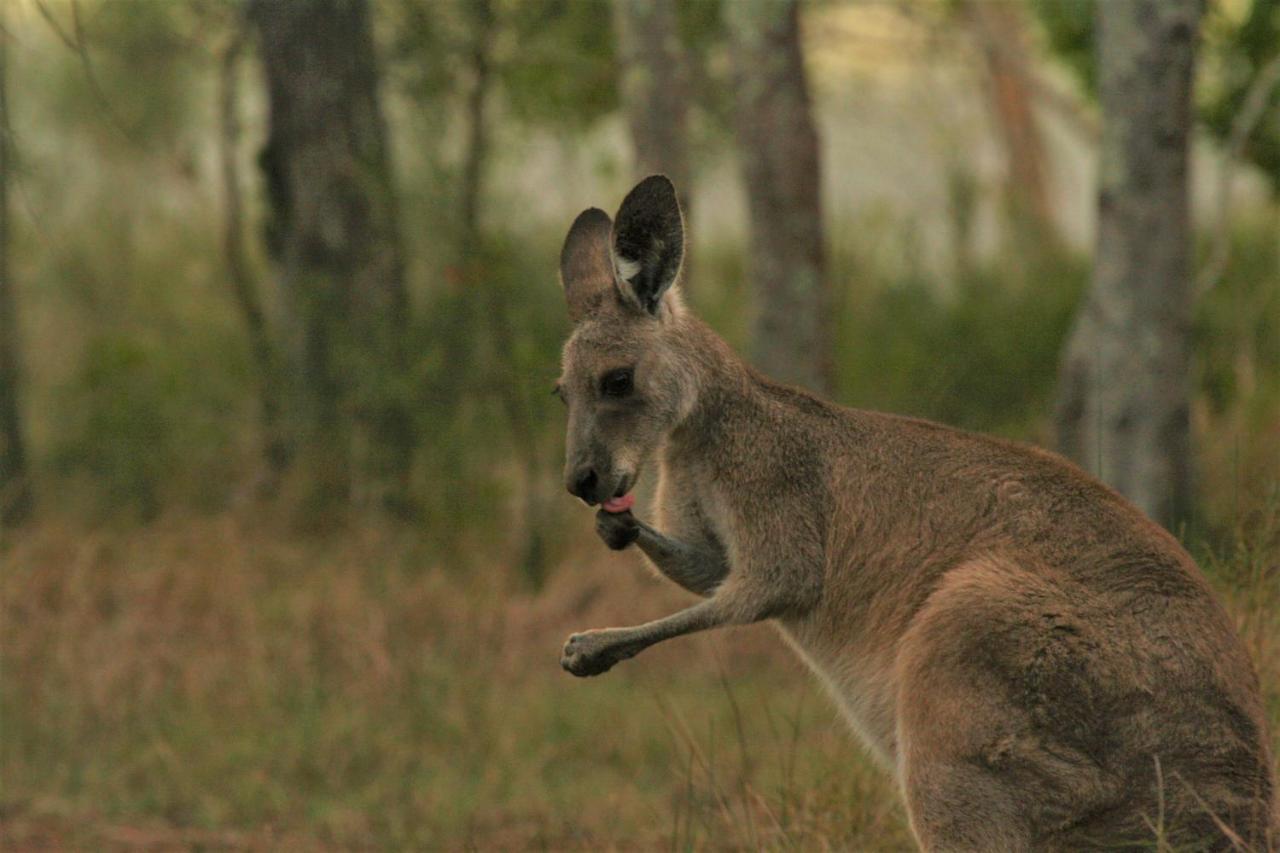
(1038,664)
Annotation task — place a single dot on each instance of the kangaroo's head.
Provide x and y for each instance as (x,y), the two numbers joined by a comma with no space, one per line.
(623,380)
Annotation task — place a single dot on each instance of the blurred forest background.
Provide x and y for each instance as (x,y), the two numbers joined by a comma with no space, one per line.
(285,559)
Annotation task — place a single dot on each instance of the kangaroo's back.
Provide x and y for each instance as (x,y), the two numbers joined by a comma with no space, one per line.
(988,608)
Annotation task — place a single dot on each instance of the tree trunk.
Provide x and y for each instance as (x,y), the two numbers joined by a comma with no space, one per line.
(1123,405)
(655,92)
(483,26)
(334,235)
(275,444)
(999,29)
(778,144)
(15,487)
(495,307)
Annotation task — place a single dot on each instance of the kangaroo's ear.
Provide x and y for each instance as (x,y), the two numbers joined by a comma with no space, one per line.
(648,243)
(586,271)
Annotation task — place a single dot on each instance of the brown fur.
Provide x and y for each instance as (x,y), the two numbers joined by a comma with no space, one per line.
(1040,665)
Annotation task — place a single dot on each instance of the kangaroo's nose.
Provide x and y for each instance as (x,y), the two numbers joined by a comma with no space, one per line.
(583,484)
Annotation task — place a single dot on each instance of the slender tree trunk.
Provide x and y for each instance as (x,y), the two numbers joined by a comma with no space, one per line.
(778,144)
(999,29)
(15,485)
(477,156)
(334,234)
(1123,405)
(501,332)
(655,92)
(275,444)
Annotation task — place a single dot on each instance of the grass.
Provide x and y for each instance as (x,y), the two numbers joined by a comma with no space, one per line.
(206,681)
(212,682)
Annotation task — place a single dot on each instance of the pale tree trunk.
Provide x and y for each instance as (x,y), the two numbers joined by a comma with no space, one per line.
(334,235)
(15,486)
(778,145)
(999,28)
(1123,405)
(655,92)
(274,441)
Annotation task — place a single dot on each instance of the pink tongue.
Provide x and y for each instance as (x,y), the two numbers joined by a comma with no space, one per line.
(621,504)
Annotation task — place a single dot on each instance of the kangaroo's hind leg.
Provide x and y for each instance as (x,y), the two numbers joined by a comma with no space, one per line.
(978,774)
(988,715)
(955,799)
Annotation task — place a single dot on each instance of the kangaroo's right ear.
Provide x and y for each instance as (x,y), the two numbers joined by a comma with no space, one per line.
(648,242)
(586,271)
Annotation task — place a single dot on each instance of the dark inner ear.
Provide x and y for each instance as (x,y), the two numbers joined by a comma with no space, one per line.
(648,242)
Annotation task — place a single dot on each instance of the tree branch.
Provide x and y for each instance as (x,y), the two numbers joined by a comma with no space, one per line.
(1245,122)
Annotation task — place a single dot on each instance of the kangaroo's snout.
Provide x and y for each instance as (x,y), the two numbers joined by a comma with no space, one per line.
(586,482)
(582,483)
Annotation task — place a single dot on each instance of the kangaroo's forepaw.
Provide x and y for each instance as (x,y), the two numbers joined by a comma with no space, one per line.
(587,654)
(617,529)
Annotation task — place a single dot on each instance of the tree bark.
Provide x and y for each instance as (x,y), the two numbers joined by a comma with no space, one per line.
(15,485)
(334,235)
(655,91)
(1000,31)
(1123,405)
(482,23)
(778,144)
(275,443)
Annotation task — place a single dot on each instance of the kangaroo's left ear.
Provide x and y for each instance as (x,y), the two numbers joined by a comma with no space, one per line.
(648,243)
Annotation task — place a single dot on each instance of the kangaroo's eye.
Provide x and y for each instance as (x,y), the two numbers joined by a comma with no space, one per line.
(616,383)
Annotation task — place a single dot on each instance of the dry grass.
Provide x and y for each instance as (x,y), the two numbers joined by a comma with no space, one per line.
(208,682)
(212,683)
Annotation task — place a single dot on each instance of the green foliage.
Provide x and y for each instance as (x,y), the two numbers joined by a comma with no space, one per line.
(155,395)
(1242,50)
(1233,51)
(488,355)
(123,436)
(1068,26)
(558,67)
(1237,325)
(983,357)
(554,59)
(117,45)
(136,425)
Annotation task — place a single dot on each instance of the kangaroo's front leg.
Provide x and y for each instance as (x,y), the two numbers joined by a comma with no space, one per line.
(594,652)
(697,568)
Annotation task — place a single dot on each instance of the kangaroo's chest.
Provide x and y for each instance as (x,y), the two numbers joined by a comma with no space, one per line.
(862,687)
(858,677)
(689,505)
